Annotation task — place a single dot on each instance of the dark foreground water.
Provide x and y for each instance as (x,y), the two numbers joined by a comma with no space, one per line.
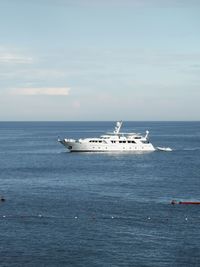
(73,209)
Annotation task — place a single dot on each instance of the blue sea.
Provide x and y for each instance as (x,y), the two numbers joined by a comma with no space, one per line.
(98,209)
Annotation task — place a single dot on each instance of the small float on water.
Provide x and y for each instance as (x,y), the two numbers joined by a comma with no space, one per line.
(174,202)
(2,199)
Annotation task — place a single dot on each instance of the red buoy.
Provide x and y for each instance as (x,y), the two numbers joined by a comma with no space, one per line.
(173,202)
(190,202)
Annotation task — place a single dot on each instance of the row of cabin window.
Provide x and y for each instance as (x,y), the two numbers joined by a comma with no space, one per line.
(112,141)
(129,142)
(133,142)
(95,141)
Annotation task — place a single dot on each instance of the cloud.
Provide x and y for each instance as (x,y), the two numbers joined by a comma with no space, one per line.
(123,3)
(14,59)
(76,104)
(13,56)
(50,91)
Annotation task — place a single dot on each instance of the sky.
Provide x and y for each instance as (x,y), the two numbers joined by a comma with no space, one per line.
(65,60)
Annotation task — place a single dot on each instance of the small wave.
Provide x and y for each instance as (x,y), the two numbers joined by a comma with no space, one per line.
(186,149)
(165,149)
(191,149)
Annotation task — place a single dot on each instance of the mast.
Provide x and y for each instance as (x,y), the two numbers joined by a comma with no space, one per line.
(117,127)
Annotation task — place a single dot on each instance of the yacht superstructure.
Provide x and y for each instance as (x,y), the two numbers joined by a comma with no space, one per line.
(110,142)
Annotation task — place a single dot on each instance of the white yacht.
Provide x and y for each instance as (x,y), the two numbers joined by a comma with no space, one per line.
(115,141)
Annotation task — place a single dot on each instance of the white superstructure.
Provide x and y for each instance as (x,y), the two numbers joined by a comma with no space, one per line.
(110,142)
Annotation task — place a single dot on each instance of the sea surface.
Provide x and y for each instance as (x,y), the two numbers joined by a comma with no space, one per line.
(98,209)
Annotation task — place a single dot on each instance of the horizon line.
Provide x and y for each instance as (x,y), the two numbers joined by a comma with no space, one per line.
(99,121)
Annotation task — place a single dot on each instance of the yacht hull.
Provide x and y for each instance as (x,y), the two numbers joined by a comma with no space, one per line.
(87,147)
